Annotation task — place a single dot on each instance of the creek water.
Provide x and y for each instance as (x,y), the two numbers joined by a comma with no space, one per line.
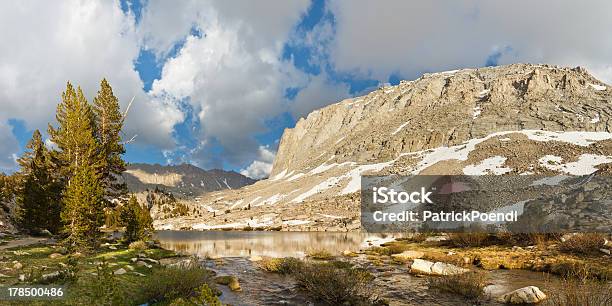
(233,251)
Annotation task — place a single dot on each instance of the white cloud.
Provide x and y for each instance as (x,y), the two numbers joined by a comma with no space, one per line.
(8,148)
(376,39)
(232,77)
(45,44)
(262,166)
(319,92)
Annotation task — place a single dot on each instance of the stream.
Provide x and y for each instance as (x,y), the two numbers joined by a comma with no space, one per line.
(234,251)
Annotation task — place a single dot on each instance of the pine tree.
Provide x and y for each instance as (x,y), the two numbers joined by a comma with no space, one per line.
(108,123)
(78,161)
(74,135)
(38,198)
(84,208)
(137,221)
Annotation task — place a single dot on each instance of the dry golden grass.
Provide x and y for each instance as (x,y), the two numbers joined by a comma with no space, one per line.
(468,285)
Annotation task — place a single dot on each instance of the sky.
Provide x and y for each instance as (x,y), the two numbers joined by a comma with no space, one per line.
(215,83)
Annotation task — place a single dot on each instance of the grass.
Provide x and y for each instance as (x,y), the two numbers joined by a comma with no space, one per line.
(320,254)
(582,293)
(463,240)
(583,243)
(468,285)
(285,265)
(332,284)
(138,245)
(89,279)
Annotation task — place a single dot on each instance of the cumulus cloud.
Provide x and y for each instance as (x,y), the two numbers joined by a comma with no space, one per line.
(376,39)
(9,147)
(231,76)
(262,166)
(45,44)
(319,92)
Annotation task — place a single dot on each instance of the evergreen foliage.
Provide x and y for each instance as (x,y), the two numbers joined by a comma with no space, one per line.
(38,200)
(137,221)
(75,183)
(83,210)
(78,161)
(74,136)
(109,122)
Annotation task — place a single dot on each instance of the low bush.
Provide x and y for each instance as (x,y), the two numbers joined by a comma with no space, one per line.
(468,285)
(171,283)
(582,293)
(280,265)
(206,296)
(320,254)
(138,245)
(327,283)
(583,243)
(464,240)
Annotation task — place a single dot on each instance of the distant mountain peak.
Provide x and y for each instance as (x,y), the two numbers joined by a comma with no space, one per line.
(183,180)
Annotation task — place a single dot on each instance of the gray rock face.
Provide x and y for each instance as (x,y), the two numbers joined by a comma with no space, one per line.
(446,109)
(526,295)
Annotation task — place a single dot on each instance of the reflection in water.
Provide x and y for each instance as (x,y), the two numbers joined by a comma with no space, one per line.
(272,244)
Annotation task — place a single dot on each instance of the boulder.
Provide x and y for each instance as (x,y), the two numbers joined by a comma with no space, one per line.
(230,281)
(142,263)
(55,255)
(17,265)
(408,255)
(440,268)
(120,271)
(50,277)
(606,251)
(420,266)
(525,295)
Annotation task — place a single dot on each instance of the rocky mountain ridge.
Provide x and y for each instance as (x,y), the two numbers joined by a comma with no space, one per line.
(511,120)
(182,180)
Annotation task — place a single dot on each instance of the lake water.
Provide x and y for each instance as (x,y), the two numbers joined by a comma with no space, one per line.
(235,249)
(271,244)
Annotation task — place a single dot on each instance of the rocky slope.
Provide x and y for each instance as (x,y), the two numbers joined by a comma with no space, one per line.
(516,119)
(182,180)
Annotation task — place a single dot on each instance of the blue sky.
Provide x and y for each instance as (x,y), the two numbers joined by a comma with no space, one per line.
(216,82)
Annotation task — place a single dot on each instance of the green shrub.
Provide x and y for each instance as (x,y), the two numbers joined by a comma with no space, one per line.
(583,243)
(206,297)
(101,288)
(468,285)
(285,265)
(331,285)
(170,283)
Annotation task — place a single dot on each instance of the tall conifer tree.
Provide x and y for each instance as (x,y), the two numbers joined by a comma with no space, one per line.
(38,199)
(79,161)
(109,122)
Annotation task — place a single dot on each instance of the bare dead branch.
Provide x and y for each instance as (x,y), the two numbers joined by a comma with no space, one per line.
(128,108)
(130,140)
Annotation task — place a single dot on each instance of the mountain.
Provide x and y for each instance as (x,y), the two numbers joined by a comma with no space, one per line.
(182,180)
(510,120)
